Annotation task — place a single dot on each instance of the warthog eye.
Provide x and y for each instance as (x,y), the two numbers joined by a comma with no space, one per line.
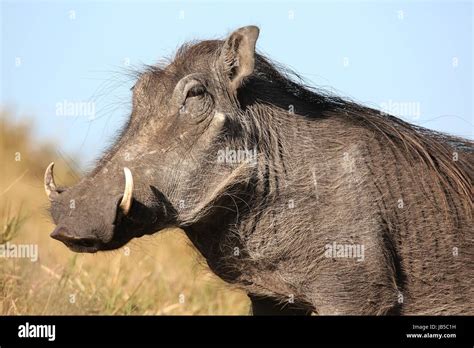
(196,91)
(191,96)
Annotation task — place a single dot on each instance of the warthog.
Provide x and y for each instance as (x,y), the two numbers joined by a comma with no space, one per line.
(308,202)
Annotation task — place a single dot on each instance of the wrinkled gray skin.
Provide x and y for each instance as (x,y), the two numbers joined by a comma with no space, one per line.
(327,171)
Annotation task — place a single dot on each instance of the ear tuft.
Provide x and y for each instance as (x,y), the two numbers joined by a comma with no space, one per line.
(238,55)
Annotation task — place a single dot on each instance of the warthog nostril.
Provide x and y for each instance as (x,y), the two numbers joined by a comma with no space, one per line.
(60,233)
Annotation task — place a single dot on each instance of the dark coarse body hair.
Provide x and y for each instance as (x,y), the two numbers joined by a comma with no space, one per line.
(331,170)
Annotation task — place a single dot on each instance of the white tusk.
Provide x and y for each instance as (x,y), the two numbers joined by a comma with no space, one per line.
(126,202)
(49,184)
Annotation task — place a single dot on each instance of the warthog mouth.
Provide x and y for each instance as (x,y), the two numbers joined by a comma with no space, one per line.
(82,248)
(92,244)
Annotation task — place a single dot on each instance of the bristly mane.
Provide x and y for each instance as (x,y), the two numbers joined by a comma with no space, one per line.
(436,150)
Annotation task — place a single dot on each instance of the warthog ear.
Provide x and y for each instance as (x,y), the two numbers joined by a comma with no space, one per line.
(238,55)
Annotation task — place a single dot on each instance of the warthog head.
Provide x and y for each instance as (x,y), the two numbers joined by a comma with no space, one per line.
(164,169)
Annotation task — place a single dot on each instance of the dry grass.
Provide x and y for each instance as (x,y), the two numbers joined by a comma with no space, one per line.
(161,274)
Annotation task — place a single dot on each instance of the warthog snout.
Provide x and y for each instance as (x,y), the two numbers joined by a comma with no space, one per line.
(99,213)
(85,244)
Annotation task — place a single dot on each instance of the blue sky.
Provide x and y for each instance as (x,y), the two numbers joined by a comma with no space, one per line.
(411,58)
